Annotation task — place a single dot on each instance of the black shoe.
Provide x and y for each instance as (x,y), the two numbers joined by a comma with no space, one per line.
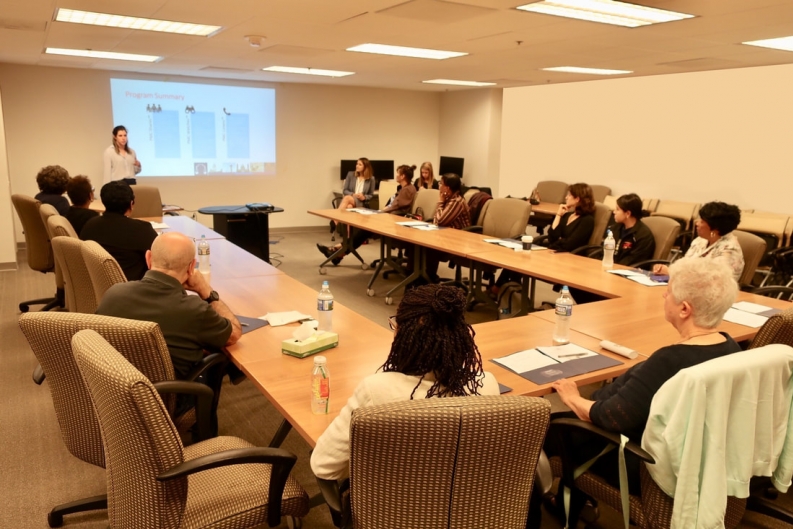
(327,252)
(337,260)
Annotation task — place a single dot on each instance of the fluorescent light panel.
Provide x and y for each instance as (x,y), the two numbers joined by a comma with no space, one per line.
(103,55)
(591,71)
(307,71)
(457,82)
(605,12)
(402,51)
(146,24)
(781,43)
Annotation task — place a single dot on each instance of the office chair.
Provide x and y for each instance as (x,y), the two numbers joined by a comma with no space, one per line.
(148,202)
(80,295)
(154,481)
(447,463)
(551,191)
(600,192)
(753,248)
(103,269)
(778,328)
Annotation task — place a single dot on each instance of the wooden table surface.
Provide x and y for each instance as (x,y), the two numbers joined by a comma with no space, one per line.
(186,226)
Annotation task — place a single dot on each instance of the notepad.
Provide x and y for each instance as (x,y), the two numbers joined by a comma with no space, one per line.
(749,314)
(277,319)
(364,211)
(413,223)
(512,243)
(251,324)
(640,276)
(159,225)
(543,365)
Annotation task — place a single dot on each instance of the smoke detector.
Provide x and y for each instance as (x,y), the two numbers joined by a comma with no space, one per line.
(255,41)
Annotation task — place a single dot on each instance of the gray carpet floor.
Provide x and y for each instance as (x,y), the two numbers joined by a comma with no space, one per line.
(36,470)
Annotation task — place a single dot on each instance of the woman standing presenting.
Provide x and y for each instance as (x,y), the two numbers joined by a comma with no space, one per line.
(120,161)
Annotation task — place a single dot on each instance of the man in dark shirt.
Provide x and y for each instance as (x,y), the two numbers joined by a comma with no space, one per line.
(127,240)
(81,194)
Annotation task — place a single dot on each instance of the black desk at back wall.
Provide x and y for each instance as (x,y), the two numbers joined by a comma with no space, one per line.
(250,230)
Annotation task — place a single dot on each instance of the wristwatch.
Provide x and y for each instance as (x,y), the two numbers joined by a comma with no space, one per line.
(213,296)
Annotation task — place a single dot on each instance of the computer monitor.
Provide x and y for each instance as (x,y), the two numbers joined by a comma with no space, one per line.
(346,167)
(450,164)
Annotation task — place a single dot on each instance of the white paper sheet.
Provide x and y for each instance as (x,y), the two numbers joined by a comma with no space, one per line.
(159,225)
(412,223)
(282,318)
(567,352)
(745,318)
(364,211)
(746,306)
(427,227)
(524,361)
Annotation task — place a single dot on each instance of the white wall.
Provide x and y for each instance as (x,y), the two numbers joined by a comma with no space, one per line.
(63,116)
(720,135)
(8,254)
(470,128)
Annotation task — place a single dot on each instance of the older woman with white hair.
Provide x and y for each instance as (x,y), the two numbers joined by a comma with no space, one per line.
(699,293)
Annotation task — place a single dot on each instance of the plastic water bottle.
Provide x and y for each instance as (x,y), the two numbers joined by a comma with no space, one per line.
(608,251)
(203,255)
(325,309)
(564,310)
(320,386)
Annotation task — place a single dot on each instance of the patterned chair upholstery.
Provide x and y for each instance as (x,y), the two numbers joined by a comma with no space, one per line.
(153,481)
(778,329)
(448,462)
(79,290)
(49,335)
(103,269)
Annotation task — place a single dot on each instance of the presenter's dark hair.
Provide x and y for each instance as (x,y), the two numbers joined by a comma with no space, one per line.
(721,217)
(116,130)
(367,169)
(586,200)
(632,203)
(407,171)
(432,337)
(117,196)
(79,190)
(52,179)
(452,181)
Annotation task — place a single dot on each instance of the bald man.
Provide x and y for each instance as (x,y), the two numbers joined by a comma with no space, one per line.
(190,324)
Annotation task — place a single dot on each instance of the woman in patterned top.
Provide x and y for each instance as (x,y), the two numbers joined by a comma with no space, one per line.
(715,239)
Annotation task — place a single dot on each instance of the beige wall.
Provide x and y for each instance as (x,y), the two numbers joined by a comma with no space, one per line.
(721,135)
(470,128)
(8,256)
(63,116)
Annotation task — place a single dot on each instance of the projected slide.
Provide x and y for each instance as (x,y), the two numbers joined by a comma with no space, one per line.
(183,129)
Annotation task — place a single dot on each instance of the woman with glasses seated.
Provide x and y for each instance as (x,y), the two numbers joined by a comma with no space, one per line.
(433,355)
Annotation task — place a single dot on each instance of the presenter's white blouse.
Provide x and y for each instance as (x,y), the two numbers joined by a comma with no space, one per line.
(118,166)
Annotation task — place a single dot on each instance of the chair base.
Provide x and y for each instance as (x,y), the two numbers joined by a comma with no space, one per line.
(55,516)
(39,375)
(59,301)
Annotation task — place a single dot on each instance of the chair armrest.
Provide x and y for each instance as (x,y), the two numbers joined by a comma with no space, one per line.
(613,438)
(648,264)
(203,408)
(332,494)
(588,251)
(542,240)
(209,361)
(473,229)
(281,460)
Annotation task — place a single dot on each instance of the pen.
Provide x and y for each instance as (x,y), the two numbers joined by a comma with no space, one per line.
(574,355)
(244,324)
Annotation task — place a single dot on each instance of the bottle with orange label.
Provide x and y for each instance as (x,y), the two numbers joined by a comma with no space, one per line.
(320,386)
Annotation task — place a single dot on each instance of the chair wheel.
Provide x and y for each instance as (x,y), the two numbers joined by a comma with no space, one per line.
(322,271)
(389,301)
(370,292)
(364,266)
(54,520)
(23,307)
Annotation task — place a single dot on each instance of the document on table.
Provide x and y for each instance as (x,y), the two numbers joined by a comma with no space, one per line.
(640,277)
(283,318)
(364,211)
(159,225)
(749,314)
(413,223)
(543,365)
(513,244)
(250,324)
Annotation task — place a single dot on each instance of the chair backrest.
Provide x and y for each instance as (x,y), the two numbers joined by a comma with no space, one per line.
(753,248)
(504,217)
(650,204)
(469,193)
(610,201)
(448,462)
(59,226)
(46,211)
(80,295)
(388,188)
(778,329)
(148,202)
(37,242)
(665,231)
(770,228)
(602,216)
(552,191)
(682,211)
(599,192)
(427,200)
(50,337)
(103,269)
(731,425)
(139,437)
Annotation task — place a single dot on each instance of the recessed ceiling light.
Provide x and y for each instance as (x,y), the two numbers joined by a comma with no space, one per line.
(605,12)
(402,51)
(307,71)
(457,83)
(103,55)
(121,21)
(781,43)
(592,71)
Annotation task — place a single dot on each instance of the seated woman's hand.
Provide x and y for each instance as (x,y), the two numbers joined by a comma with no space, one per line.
(660,270)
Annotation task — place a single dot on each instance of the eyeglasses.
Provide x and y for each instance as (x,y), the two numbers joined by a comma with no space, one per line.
(392,323)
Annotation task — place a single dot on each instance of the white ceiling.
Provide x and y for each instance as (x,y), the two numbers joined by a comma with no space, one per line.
(505,46)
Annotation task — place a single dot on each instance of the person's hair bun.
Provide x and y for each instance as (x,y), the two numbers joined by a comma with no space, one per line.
(413,167)
(448,301)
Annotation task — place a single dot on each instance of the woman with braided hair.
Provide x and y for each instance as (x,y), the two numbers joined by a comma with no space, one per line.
(433,355)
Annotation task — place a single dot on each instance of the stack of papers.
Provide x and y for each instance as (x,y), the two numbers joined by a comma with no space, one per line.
(543,365)
(749,314)
(159,225)
(513,244)
(419,225)
(641,277)
(283,318)
(364,211)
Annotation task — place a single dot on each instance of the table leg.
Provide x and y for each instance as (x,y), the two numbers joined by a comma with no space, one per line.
(280,434)
(419,270)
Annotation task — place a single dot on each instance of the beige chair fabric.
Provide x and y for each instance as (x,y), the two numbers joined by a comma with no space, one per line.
(602,216)
(753,248)
(46,211)
(552,191)
(387,189)
(504,217)
(610,201)
(148,202)
(778,329)
(600,192)
(427,200)
(103,269)
(59,226)
(765,224)
(665,231)
(80,295)
(650,204)
(37,243)
(141,443)
(682,211)
(483,453)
